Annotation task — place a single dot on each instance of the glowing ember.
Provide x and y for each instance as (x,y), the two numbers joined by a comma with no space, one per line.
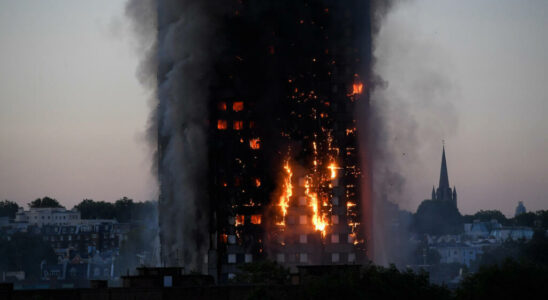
(255,143)
(287,192)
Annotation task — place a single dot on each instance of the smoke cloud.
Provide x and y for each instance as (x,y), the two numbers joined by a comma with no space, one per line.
(411,113)
(179,41)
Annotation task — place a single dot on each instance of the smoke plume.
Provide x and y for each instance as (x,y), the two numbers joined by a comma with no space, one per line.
(411,113)
(179,41)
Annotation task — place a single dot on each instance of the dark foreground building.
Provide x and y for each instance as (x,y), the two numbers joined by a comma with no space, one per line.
(283,160)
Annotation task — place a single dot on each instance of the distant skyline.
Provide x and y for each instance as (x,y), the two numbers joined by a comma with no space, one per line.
(73,115)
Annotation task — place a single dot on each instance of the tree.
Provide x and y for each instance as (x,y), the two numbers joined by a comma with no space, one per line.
(526,219)
(509,280)
(44,202)
(487,216)
(543,218)
(262,272)
(90,209)
(123,209)
(8,209)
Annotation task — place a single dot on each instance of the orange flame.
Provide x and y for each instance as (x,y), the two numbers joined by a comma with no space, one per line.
(357,88)
(333,168)
(317,218)
(287,192)
(221,124)
(255,143)
(238,125)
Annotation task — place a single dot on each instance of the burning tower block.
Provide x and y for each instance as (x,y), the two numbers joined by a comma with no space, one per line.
(283,164)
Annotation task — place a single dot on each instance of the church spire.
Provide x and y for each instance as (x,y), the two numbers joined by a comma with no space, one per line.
(444,177)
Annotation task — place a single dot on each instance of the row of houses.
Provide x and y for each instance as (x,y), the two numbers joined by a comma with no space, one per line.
(476,239)
(86,249)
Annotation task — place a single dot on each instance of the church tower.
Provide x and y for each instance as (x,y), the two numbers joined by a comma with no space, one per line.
(444,191)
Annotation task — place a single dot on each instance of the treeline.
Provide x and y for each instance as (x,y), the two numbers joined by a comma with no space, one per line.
(510,279)
(440,218)
(529,219)
(9,208)
(123,210)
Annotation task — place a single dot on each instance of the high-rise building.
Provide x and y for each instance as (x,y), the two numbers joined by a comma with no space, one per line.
(283,161)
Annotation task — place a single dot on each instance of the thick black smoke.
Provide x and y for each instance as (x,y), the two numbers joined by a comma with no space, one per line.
(180,42)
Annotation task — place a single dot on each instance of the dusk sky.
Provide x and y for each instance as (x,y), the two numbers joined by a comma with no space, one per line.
(73,115)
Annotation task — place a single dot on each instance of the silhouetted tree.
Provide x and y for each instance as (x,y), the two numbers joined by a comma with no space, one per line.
(90,209)
(44,202)
(509,280)
(525,219)
(8,209)
(262,272)
(487,216)
(123,209)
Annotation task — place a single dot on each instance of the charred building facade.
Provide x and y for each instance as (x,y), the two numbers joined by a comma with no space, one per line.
(283,167)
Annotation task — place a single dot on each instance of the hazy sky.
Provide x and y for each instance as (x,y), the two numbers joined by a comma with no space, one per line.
(73,116)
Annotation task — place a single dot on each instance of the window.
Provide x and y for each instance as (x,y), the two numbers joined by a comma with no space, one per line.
(238,125)
(335,201)
(256,219)
(280,257)
(232,258)
(302,200)
(351,257)
(351,238)
(303,258)
(222,124)
(335,219)
(248,258)
(303,238)
(303,219)
(335,257)
(231,276)
(334,238)
(240,220)
(221,105)
(238,106)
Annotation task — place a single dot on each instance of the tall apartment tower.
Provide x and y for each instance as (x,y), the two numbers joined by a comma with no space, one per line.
(283,160)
